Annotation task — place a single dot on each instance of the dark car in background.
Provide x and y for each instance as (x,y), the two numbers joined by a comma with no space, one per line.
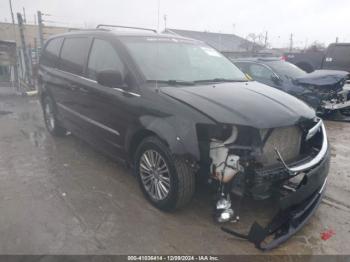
(325,90)
(177,110)
(335,57)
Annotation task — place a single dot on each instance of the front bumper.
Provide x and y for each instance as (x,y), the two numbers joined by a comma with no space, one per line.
(295,208)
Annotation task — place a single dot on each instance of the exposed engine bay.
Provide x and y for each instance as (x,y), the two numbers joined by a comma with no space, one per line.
(287,163)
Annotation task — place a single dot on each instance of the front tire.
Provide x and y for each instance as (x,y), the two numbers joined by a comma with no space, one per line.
(50,117)
(167,181)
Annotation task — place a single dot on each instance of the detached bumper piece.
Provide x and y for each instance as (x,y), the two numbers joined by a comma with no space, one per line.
(295,208)
(283,225)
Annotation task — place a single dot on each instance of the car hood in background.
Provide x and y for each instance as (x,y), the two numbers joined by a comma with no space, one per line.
(248,103)
(323,78)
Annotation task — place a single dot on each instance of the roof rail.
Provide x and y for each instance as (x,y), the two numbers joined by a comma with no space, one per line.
(127,27)
(85,29)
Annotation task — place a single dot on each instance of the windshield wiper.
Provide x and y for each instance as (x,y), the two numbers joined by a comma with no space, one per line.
(220,80)
(174,82)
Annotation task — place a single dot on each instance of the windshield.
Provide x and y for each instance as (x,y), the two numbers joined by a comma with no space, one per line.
(174,59)
(286,69)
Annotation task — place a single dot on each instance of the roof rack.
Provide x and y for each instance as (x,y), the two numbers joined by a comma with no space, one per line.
(127,27)
(86,29)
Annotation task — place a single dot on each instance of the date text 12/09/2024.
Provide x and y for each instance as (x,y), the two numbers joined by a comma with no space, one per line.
(173,258)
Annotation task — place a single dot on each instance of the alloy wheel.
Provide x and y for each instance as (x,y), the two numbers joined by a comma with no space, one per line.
(154,174)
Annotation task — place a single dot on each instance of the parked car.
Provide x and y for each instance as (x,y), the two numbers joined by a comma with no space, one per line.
(335,57)
(177,110)
(324,90)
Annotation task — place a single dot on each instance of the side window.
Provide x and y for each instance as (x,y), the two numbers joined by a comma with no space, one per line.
(73,54)
(260,71)
(51,52)
(102,57)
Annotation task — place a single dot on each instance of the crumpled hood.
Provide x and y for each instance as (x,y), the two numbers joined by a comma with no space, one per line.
(248,103)
(323,78)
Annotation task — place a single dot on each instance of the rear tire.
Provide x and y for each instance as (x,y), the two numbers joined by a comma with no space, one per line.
(50,117)
(168,182)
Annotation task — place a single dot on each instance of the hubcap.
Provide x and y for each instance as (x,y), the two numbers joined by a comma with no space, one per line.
(49,117)
(154,174)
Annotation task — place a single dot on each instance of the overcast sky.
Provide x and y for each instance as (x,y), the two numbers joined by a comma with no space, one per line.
(308,20)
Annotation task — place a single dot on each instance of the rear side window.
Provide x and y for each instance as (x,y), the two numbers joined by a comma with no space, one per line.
(73,54)
(51,53)
(103,56)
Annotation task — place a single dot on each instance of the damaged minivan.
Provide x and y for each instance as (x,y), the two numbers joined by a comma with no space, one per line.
(178,111)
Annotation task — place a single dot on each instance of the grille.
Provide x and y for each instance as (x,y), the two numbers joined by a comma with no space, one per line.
(286,139)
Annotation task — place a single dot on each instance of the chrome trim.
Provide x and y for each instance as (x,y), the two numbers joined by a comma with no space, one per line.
(95,82)
(81,77)
(126,92)
(315,161)
(318,158)
(91,121)
(314,129)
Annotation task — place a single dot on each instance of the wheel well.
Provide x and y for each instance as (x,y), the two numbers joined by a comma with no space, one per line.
(137,139)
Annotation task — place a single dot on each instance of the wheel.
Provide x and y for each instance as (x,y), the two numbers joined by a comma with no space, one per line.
(168,182)
(50,117)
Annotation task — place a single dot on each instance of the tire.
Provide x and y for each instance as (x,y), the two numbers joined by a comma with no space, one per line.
(50,117)
(180,176)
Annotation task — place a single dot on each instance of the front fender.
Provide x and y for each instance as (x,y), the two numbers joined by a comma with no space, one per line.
(178,133)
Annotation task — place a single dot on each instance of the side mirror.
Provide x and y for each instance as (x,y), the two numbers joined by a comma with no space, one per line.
(110,78)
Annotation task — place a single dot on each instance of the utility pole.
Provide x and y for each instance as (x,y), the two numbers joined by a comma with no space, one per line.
(13,18)
(40,29)
(336,39)
(24,16)
(266,35)
(291,43)
(27,66)
(165,17)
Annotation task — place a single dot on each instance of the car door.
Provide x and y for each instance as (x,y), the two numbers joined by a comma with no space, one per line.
(108,111)
(73,57)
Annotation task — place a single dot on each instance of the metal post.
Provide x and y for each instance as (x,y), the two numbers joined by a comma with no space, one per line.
(28,77)
(40,29)
(266,35)
(15,37)
(291,43)
(24,16)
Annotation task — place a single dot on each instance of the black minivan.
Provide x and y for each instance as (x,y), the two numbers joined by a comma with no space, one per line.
(177,111)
